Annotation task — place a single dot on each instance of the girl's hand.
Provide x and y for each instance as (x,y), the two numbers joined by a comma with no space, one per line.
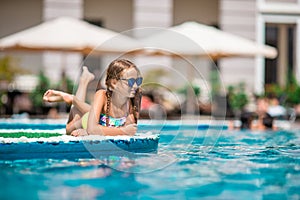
(79,132)
(130,129)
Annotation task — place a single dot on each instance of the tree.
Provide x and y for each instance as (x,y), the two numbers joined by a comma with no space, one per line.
(9,69)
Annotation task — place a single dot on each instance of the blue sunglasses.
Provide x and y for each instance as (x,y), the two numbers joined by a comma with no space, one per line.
(131,81)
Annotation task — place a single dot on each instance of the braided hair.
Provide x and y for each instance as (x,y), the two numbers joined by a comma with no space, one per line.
(114,72)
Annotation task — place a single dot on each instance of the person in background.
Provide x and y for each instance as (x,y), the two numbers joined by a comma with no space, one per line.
(264,120)
(246,120)
(114,111)
(275,109)
(257,121)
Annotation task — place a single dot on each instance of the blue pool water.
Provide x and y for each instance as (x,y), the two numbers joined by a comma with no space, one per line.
(189,164)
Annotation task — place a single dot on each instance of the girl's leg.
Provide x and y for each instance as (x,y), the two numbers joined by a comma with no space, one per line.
(74,124)
(85,78)
(79,98)
(58,96)
(79,107)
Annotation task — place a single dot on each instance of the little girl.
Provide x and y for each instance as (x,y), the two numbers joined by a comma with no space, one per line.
(114,111)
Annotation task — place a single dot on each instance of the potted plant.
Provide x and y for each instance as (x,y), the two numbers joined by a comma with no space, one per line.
(237,98)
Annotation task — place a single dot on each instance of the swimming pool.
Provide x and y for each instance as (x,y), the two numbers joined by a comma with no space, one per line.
(190,164)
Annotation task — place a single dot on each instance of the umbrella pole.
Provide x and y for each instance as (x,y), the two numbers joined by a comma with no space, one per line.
(191,103)
(63,72)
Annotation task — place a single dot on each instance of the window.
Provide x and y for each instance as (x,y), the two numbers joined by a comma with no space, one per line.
(282,37)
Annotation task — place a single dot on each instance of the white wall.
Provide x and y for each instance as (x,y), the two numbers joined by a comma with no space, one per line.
(116,15)
(281,1)
(203,11)
(54,63)
(155,15)
(239,17)
(16,16)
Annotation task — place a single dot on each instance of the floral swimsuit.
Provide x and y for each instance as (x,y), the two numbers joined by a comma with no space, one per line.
(113,122)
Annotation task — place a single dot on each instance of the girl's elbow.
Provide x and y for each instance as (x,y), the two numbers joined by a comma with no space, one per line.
(94,130)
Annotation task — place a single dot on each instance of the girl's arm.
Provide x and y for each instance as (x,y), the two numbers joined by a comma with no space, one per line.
(93,126)
(130,120)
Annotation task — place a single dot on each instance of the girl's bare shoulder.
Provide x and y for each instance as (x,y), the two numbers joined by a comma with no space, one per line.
(101,94)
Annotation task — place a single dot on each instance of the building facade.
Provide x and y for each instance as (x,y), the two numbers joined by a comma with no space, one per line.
(274,22)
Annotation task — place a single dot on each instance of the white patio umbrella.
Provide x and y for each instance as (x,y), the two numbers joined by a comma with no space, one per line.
(70,35)
(194,39)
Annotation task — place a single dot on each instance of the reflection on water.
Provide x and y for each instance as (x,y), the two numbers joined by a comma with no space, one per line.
(241,165)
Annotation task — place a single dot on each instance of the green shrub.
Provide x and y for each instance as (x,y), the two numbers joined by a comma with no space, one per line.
(237,97)
(38,92)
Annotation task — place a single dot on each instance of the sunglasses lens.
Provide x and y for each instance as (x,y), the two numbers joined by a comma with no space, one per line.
(131,82)
(139,81)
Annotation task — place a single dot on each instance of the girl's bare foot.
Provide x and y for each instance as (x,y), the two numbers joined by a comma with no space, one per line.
(86,75)
(57,96)
(79,132)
